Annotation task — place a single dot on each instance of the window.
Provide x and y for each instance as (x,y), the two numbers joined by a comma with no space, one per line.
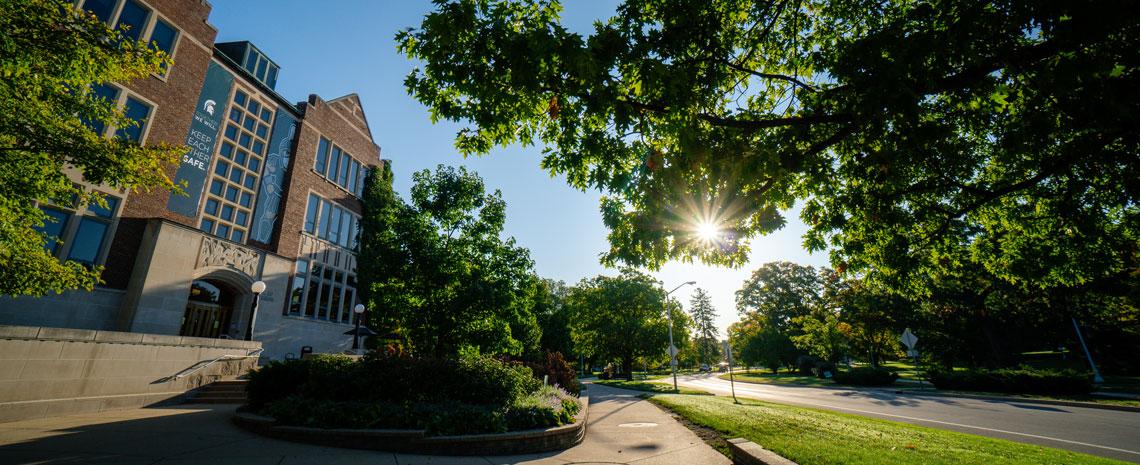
(360,183)
(338,166)
(137,111)
(226,212)
(133,108)
(331,222)
(133,20)
(102,9)
(79,234)
(322,156)
(321,292)
(297,289)
(311,214)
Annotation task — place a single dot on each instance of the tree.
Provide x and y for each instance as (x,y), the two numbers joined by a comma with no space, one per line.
(704,327)
(780,291)
(554,317)
(50,56)
(620,318)
(822,335)
(437,271)
(920,136)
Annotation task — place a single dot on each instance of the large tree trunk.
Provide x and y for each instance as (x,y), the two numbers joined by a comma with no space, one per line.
(627,367)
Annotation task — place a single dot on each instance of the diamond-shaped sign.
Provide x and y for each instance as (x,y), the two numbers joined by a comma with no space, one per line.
(908,339)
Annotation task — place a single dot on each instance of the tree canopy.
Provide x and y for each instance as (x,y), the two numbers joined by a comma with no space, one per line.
(437,271)
(921,137)
(50,57)
(622,318)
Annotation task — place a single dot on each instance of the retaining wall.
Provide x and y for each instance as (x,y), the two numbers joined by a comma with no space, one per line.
(58,371)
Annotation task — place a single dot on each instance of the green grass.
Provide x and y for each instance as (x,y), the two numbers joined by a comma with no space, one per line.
(816,437)
(650,387)
(766,377)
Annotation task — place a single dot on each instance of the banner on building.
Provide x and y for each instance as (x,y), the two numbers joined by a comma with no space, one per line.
(273,178)
(202,139)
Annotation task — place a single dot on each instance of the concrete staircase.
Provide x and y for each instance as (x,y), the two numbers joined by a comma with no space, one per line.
(219,392)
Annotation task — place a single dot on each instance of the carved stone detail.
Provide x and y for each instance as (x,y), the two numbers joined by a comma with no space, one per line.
(221,253)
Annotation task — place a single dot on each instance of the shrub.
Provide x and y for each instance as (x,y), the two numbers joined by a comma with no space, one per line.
(556,369)
(319,377)
(1015,380)
(472,380)
(549,406)
(866,376)
(805,365)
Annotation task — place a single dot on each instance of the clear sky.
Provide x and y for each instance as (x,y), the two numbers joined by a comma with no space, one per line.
(333,48)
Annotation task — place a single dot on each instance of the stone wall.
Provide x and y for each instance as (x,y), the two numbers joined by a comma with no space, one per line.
(56,371)
(98,309)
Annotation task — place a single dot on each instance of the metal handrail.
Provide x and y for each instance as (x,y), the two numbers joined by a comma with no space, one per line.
(199,366)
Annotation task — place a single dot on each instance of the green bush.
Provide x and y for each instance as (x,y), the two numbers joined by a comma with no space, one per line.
(469,395)
(318,377)
(549,406)
(555,368)
(1025,380)
(866,376)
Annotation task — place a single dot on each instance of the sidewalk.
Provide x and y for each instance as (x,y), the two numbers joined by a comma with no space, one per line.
(620,430)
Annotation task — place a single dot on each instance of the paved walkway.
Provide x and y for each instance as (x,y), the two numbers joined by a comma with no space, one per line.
(618,431)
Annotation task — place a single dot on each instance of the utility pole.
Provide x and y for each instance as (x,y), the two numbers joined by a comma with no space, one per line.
(672,348)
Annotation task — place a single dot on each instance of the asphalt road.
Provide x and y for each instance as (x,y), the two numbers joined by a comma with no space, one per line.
(1107,433)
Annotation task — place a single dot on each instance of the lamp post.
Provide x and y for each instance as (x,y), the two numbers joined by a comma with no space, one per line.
(672,350)
(359,311)
(257,288)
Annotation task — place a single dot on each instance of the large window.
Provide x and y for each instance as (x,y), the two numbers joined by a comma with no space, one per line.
(133,107)
(336,165)
(227,210)
(136,21)
(79,233)
(321,291)
(331,222)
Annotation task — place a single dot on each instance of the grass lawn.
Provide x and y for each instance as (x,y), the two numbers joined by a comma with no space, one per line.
(650,387)
(816,437)
(766,377)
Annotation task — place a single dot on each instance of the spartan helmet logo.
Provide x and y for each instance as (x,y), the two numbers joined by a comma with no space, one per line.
(209,107)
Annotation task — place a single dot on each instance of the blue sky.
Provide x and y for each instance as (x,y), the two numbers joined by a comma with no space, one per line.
(333,48)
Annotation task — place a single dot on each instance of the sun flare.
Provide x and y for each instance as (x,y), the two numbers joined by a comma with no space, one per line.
(708,231)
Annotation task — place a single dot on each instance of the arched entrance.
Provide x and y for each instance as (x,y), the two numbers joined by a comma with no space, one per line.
(209,309)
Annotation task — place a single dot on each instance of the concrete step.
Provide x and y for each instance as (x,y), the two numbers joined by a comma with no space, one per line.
(219,392)
(209,388)
(215,400)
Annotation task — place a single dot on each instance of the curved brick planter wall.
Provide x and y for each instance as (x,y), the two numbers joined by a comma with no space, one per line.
(414,441)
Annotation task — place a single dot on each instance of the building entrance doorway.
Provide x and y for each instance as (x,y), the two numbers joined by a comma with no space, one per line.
(208,310)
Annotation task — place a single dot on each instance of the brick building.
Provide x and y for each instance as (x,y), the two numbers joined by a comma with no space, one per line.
(273,195)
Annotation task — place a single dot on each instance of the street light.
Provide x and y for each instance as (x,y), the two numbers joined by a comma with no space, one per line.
(257,288)
(672,350)
(359,311)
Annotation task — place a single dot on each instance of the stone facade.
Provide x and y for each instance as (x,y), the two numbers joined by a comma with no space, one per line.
(160,265)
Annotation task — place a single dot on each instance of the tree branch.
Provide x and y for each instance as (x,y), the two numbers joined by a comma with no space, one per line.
(779,77)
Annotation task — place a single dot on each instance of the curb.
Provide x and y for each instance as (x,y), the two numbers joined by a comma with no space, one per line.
(745,452)
(414,441)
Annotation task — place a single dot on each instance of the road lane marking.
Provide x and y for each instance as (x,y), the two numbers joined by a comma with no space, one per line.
(713,384)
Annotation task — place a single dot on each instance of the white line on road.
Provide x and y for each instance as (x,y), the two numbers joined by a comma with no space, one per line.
(869,412)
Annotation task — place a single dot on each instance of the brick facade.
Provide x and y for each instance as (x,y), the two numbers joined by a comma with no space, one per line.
(155,255)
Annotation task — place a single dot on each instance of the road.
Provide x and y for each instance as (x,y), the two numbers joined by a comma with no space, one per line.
(1106,433)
